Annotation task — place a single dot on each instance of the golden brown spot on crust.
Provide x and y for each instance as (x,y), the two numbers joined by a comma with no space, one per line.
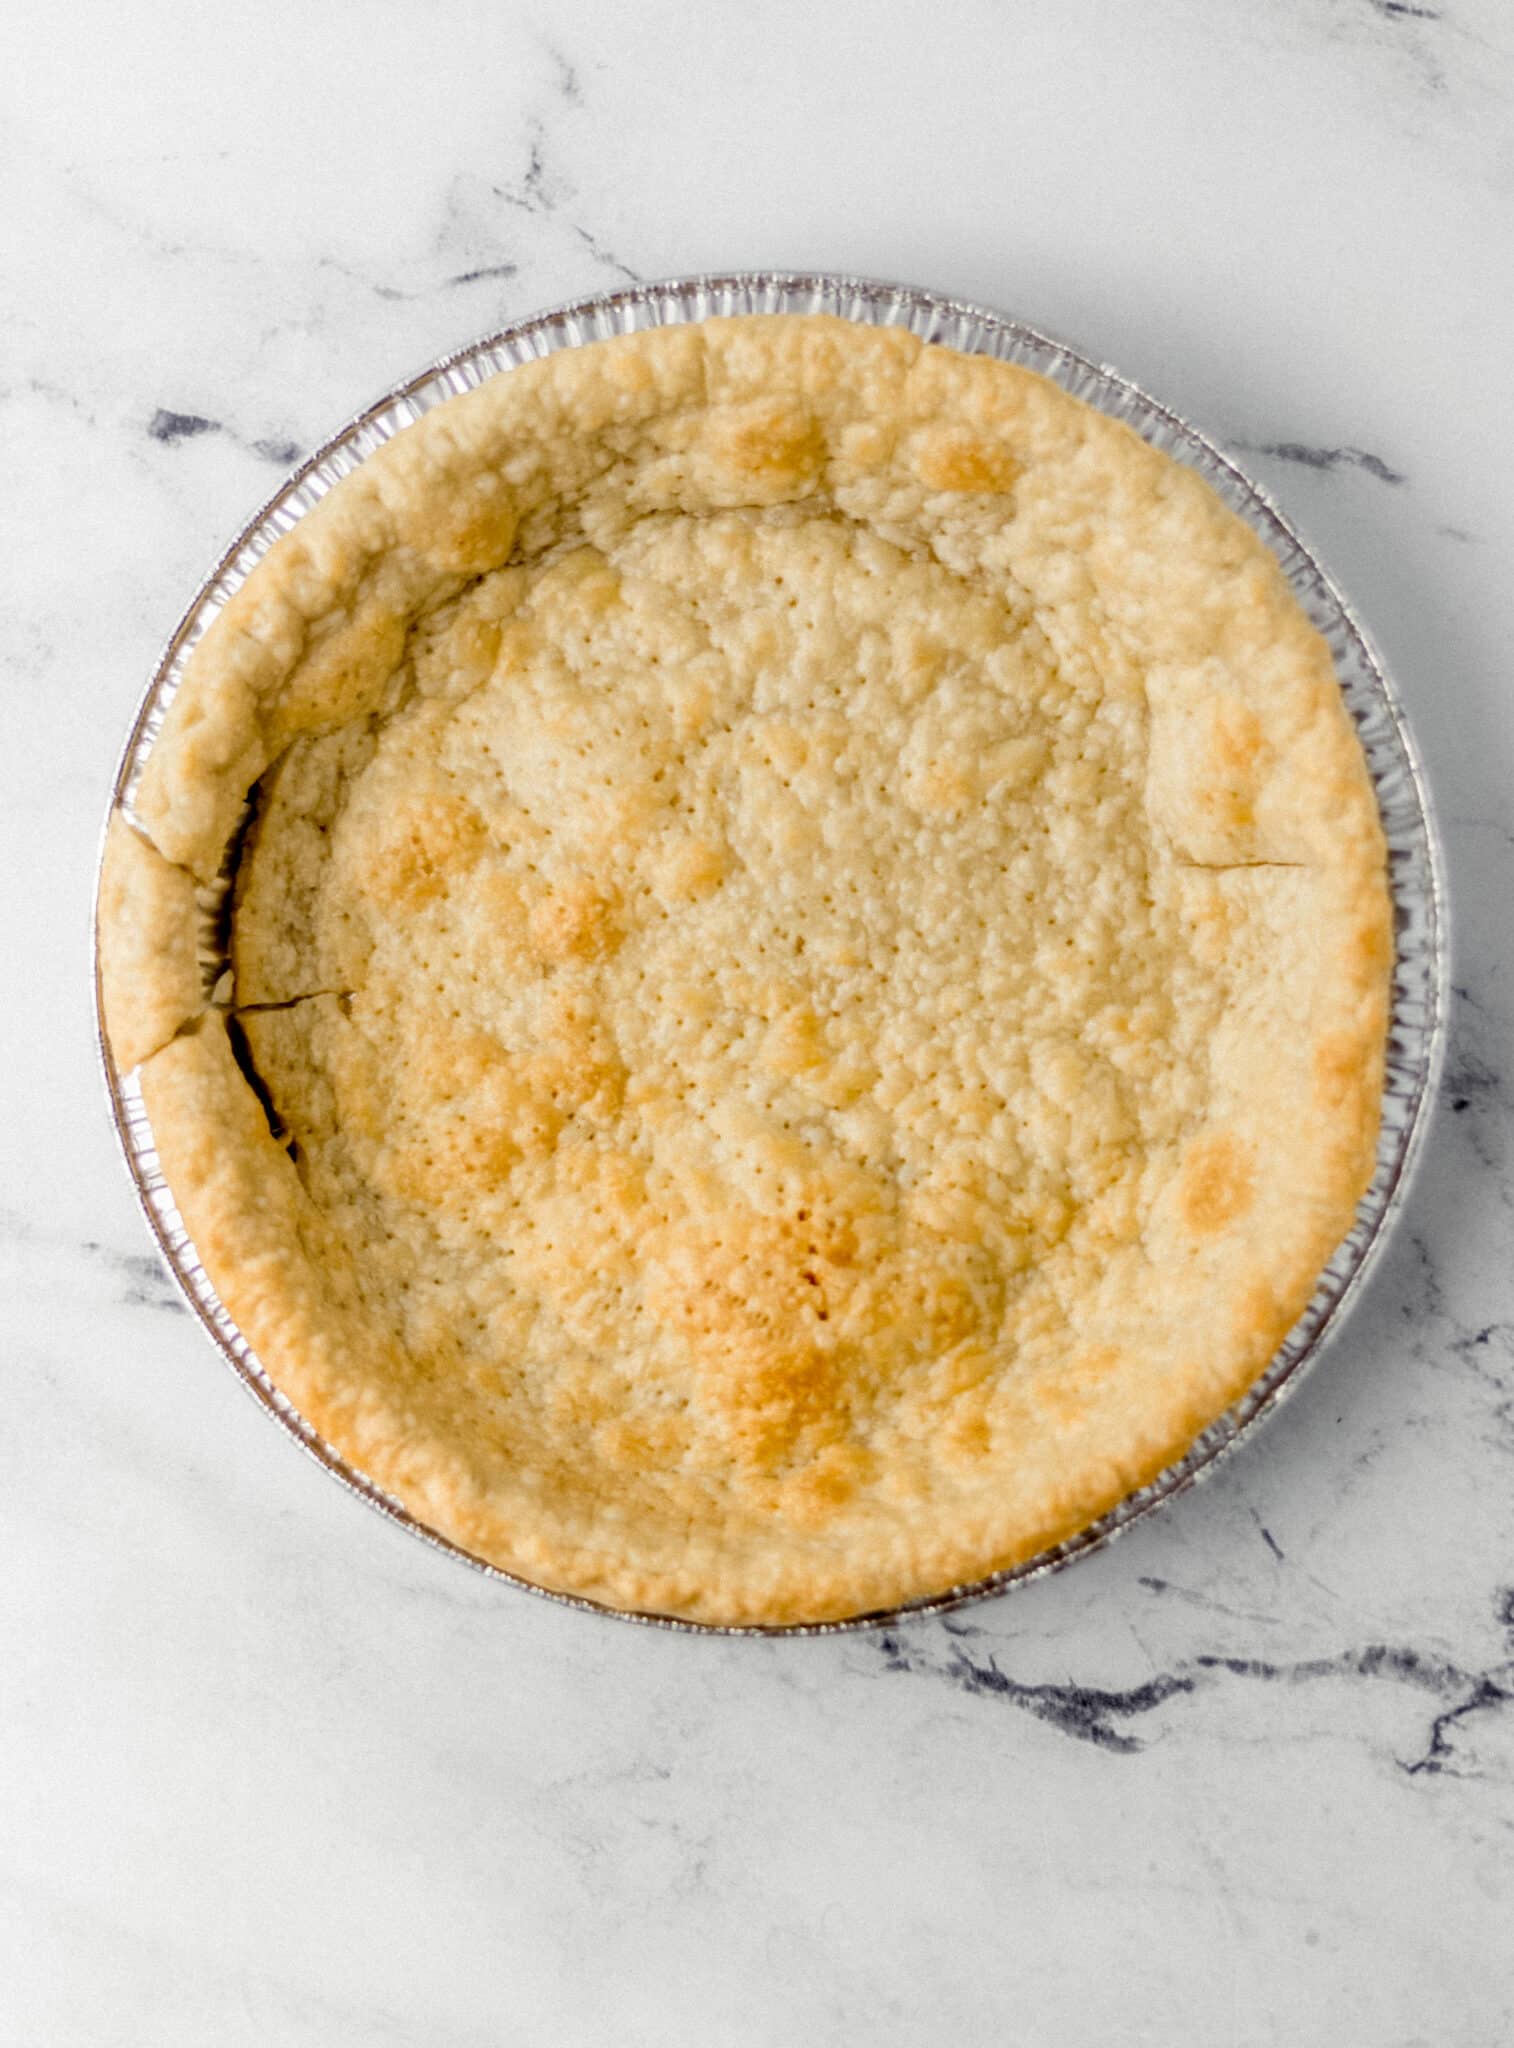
(755,1298)
(968,1438)
(814,1494)
(789,1318)
(1337,1065)
(574,922)
(648,1446)
(794,1042)
(1216,1182)
(944,785)
(473,527)
(867,444)
(771,443)
(630,371)
(1236,757)
(952,459)
(426,848)
(691,869)
(473,1111)
(1347,1076)
(1370,951)
(771,1400)
(1255,1321)
(744,1273)
(1096,1364)
(591,579)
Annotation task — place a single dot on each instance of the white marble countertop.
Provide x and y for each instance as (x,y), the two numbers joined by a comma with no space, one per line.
(270,1771)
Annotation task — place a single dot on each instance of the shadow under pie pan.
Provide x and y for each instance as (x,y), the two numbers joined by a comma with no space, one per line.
(1415,1028)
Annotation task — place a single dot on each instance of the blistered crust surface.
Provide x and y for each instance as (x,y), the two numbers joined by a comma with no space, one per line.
(815,936)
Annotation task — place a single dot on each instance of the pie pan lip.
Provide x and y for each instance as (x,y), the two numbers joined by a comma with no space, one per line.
(1417,1019)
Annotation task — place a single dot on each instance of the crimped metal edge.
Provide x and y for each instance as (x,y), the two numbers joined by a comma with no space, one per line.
(1416,1035)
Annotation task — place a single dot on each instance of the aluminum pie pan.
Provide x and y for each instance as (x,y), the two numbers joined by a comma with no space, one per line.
(1417,1021)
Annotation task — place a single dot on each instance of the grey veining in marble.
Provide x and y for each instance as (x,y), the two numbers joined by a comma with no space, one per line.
(269,1770)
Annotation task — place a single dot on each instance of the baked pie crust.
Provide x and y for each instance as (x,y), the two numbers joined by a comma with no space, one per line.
(809,969)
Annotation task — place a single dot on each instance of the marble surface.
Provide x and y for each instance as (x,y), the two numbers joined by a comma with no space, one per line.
(272,1771)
